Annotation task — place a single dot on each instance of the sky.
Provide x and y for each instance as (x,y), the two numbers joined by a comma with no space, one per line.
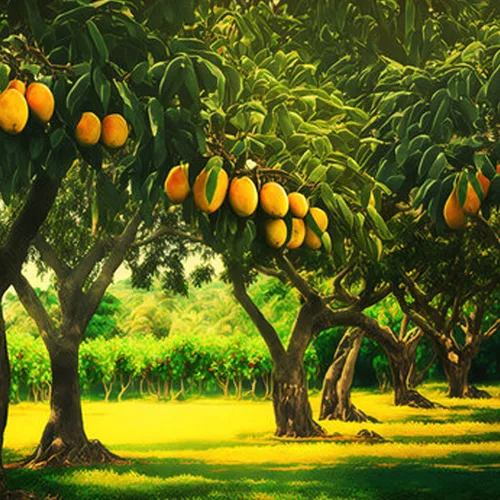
(122,273)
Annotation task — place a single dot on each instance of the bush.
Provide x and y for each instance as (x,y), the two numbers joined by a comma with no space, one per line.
(169,368)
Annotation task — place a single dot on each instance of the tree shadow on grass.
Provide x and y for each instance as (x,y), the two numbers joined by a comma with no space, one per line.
(459,414)
(461,476)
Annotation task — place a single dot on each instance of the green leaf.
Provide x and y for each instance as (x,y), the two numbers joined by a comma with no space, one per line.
(98,41)
(379,224)
(463,184)
(172,79)
(102,87)
(427,160)
(318,174)
(214,162)
(284,120)
(77,92)
(483,163)
(437,167)
(4,76)
(494,192)
(311,224)
(493,88)
(156,116)
(191,82)
(429,187)
(157,126)
(327,242)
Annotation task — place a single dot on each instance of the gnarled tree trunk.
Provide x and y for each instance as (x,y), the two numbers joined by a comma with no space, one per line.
(292,409)
(64,441)
(456,368)
(336,395)
(402,363)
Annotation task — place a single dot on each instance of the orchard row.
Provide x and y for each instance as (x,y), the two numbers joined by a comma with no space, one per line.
(200,364)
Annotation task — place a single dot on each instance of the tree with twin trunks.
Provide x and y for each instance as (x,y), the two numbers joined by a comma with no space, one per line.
(281,126)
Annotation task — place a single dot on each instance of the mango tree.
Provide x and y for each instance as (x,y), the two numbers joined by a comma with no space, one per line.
(278,129)
(90,76)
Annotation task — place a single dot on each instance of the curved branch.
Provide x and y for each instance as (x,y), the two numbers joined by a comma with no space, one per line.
(49,256)
(168,231)
(259,320)
(297,280)
(34,307)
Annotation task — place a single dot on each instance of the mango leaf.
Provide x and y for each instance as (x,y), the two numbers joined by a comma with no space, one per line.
(102,87)
(427,160)
(311,224)
(379,224)
(462,186)
(494,192)
(483,163)
(428,188)
(437,167)
(493,88)
(172,79)
(4,76)
(98,41)
(77,92)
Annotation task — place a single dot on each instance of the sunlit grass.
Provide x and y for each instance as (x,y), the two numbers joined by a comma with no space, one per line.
(215,448)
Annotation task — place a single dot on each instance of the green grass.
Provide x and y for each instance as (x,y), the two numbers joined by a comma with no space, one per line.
(225,449)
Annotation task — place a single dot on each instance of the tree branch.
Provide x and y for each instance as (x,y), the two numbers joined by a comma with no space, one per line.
(34,307)
(274,273)
(97,290)
(297,280)
(374,297)
(303,327)
(492,329)
(49,256)
(168,231)
(40,199)
(352,317)
(263,326)
(82,271)
(422,301)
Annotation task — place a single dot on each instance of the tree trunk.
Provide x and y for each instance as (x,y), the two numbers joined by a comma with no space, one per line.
(292,409)
(402,364)
(456,368)
(4,394)
(64,441)
(336,398)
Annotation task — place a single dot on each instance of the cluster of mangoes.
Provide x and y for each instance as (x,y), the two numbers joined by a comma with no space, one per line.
(17,103)
(112,132)
(454,214)
(244,199)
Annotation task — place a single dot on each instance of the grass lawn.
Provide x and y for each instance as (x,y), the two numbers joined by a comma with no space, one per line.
(225,449)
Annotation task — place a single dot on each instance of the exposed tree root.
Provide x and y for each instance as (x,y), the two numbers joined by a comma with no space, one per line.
(310,430)
(351,414)
(416,400)
(367,435)
(475,393)
(60,455)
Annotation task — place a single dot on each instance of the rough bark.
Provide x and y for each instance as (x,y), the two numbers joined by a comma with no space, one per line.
(64,441)
(336,395)
(13,253)
(456,368)
(402,364)
(292,409)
